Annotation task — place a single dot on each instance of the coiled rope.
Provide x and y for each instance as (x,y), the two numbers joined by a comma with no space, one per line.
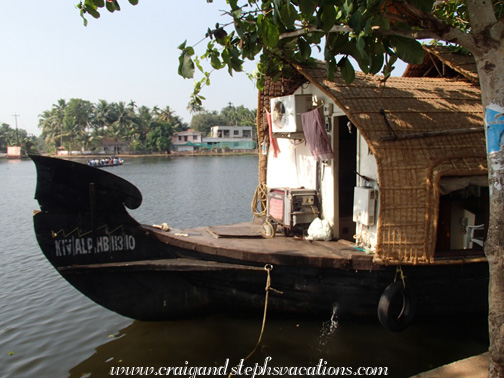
(259,202)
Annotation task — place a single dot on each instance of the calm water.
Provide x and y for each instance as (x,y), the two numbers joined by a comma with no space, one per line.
(48,329)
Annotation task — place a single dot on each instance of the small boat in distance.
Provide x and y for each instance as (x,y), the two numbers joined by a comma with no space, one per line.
(105,163)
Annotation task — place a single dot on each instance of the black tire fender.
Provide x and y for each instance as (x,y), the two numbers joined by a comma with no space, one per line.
(397,307)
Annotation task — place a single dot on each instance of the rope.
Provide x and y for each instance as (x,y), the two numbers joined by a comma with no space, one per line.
(268,268)
(259,203)
(403,277)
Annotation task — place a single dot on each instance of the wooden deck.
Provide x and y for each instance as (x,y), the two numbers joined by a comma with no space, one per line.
(244,242)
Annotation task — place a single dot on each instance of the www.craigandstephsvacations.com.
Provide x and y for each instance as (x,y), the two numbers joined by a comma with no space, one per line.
(322,368)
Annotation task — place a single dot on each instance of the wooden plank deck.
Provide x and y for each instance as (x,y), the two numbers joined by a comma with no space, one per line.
(244,242)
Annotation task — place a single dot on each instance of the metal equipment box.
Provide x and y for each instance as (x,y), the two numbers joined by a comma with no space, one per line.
(294,209)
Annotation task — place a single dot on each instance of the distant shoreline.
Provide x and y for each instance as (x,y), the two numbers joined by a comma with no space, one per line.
(127,156)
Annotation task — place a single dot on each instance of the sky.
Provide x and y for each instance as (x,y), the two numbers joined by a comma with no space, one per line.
(47,54)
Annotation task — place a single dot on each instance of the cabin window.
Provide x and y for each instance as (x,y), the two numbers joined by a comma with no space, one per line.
(463,213)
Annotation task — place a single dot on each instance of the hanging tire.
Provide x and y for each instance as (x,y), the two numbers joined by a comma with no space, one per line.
(397,306)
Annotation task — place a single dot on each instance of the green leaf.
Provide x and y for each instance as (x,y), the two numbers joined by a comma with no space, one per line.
(331,68)
(189,50)
(233,4)
(304,49)
(355,21)
(327,17)
(236,14)
(112,6)
(133,2)
(360,44)
(376,63)
(92,12)
(198,64)
(268,31)
(288,15)
(407,49)
(99,3)
(182,45)
(306,6)
(215,61)
(186,66)
(347,70)
(348,6)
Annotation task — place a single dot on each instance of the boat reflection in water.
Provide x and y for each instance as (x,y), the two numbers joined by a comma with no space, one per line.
(289,342)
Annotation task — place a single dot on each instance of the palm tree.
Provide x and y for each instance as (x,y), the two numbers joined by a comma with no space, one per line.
(51,122)
(49,132)
(167,115)
(77,120)
(59,110)
(143,126)
(121,127)
(102,117)
(132,105)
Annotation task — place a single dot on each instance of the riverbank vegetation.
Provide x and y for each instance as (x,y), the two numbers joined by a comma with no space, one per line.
(80,125)
(10,136)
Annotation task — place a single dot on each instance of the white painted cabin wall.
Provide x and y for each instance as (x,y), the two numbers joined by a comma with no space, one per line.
(295,166)
(366,166)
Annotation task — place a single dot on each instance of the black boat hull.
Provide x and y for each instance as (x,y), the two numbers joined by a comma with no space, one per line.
(86,233)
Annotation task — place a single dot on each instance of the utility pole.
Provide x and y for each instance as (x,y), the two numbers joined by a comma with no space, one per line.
(17,134)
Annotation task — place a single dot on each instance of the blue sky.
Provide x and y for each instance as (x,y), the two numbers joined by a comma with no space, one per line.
(47,54)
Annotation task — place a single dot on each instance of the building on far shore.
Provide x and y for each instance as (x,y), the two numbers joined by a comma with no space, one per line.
(188,140)
(14,152)
(231,137)
(227,137)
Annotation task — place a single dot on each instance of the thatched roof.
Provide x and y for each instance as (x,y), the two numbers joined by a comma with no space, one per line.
(419,129)
(442,62)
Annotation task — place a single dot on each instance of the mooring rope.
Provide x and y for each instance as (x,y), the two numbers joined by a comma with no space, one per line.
(403,276)
(268,268)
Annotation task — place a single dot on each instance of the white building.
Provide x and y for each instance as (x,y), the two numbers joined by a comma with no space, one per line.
(232,137)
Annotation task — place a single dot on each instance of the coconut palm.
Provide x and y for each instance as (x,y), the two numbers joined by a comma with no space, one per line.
(125,119)
(103,117)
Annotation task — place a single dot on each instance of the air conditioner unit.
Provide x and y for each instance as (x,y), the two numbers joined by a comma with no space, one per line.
(286,115)
(364,205)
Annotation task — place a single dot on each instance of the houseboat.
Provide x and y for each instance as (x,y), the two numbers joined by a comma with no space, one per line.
(372,200)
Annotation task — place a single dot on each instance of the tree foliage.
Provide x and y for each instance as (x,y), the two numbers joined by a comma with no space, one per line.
(17,137)
(80,124)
